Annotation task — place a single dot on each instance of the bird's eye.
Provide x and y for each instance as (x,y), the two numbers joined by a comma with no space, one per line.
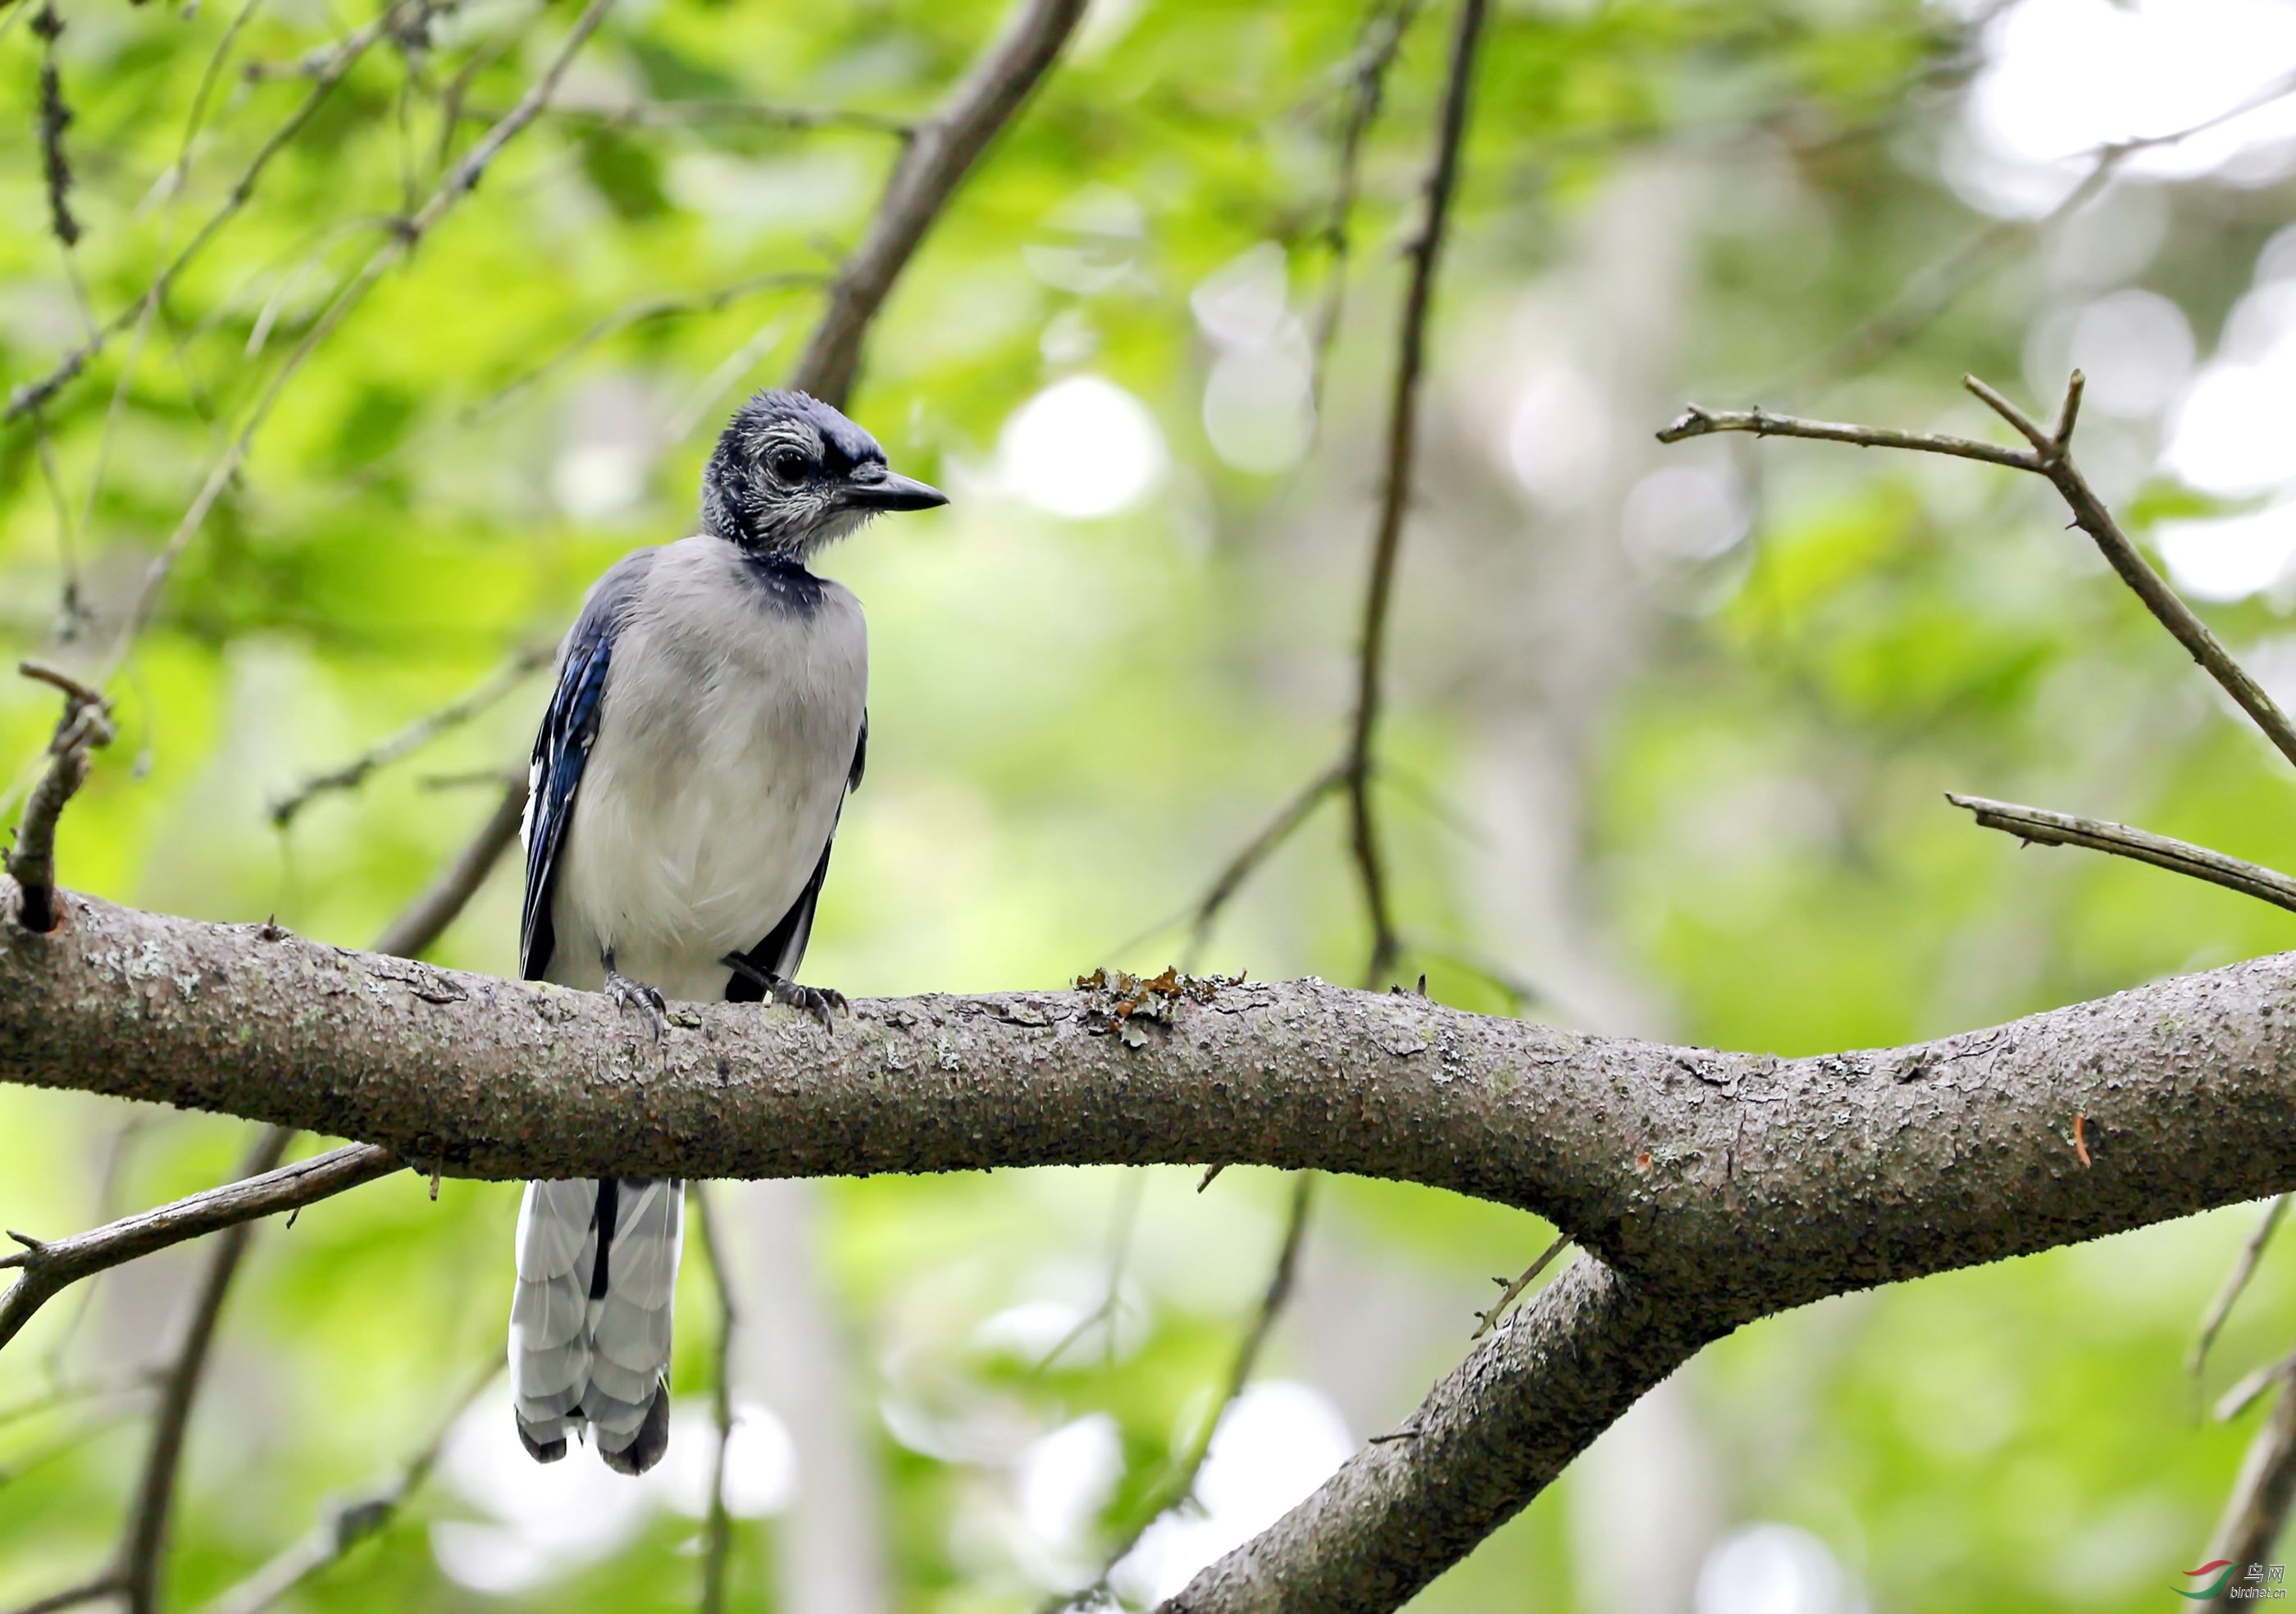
(789,465)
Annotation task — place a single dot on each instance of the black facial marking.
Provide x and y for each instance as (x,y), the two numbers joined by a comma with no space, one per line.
(776,485)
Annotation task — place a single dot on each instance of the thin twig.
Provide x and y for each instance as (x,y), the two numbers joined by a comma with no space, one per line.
(1425,252)
(144,1545)
(31,395)
(459,183)
(1129,1193)
(416,734)
(1181,1486)
(51,1264)
(932,166)
(102,1587)
(2235,1284)
(346,1525)
(1383,29)
(762,114)
(1239,868)
(31,862)
(2040,827)
(2050,457)
(1510,1292)
(718,1532)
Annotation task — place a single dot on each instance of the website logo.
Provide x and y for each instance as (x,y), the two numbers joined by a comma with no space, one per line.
(2258,1582)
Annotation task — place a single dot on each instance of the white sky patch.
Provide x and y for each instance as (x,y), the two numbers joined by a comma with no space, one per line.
(1558,435)
(1776,1568)
(544,1519)
(1276,1444)
(1061,1484)
(1259,411)
(2065,77)
(2135,346)
(760,1463)
(1082,447)
(2230,557)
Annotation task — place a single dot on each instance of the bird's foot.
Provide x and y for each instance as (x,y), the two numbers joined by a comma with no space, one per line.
(816,1000)
(636,996)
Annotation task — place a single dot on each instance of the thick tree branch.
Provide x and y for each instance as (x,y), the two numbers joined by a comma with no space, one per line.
(1425,253)
(1790,1178)
(933,163)
(1494,1434)
(2038,826)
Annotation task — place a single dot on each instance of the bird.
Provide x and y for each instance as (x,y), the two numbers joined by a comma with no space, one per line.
(710,718)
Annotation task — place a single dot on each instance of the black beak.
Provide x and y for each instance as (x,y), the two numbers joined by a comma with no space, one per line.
(875,487)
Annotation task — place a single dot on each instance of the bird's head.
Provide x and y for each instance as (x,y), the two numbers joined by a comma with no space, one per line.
(791,475)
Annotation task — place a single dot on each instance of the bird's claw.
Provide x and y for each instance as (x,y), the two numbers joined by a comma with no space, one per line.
(635,994)
(816,1000)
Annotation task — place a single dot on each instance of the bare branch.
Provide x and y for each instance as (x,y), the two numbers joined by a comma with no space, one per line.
(2040,827)
(143,1548)
(2236,1283)
(1510,1291)
(1239,868)
(31,863)
(349,1524)
(763,114)
(1425,252)
(2048,456)
(416,734)
(932,166)
(52,1264)
(101,1589)
(718,1532)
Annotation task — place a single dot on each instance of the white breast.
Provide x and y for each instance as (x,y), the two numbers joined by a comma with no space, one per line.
(728,730)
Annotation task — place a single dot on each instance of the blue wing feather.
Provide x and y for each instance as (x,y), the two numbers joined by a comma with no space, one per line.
(570,727)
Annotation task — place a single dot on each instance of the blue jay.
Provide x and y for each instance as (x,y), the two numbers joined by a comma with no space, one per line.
(710,718)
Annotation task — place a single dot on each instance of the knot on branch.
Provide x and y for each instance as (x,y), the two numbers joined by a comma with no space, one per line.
(86,725)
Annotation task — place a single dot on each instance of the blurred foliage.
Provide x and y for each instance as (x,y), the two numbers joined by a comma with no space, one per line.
(1682,780)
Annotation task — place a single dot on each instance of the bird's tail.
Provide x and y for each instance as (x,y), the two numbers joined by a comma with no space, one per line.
(590,1326)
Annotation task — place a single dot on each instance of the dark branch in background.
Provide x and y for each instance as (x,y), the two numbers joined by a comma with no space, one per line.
(1180,1487)
(144,1550)
(409,231)
(33,394)
(936,159)
(1425,252)
(2038,827)
(55,117)
(717,1531)
(349,1524)
(51,1266)
(31,861)
(416,734)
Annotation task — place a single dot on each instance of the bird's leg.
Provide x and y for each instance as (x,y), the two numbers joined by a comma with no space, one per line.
(628,994)
(816,1000)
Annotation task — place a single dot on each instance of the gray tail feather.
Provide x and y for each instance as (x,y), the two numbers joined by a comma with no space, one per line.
(590,1323)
